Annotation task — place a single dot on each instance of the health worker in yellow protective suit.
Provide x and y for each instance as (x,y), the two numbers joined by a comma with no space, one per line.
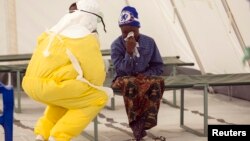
(66,72)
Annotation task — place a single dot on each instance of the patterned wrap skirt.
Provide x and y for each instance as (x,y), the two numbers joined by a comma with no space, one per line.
(142,96)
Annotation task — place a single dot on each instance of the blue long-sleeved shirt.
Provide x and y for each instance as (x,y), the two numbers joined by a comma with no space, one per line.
(149,62)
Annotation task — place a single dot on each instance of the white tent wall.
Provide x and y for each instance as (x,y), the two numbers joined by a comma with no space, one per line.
(3,29)
(218,49)
(178,44)
(34,17)
(206,21)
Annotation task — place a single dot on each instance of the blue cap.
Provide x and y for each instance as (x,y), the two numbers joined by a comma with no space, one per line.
(129,16)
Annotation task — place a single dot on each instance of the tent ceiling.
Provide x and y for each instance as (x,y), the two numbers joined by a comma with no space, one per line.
(206,21)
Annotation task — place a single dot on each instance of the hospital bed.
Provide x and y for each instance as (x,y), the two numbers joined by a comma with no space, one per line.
(190,81)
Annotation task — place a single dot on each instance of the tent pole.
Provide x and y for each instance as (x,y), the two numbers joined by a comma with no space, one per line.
(11,30)
(233,23)
(188,38)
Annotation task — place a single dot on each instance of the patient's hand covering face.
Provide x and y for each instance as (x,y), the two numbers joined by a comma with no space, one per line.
(136,52)
(130,34)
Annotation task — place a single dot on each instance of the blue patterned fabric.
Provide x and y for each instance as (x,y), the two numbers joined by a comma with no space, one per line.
(129,16)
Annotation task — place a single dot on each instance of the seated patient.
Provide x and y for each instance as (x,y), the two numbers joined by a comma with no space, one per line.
(138,64)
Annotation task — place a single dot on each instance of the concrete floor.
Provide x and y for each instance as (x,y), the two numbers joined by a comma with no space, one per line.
(113,124)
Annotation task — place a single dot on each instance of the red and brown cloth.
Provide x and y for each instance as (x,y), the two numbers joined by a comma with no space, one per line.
(142,96)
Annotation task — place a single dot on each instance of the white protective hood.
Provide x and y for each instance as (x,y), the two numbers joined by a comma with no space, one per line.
(79,23)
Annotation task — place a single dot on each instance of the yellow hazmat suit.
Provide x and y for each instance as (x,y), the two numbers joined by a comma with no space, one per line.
(52,80)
